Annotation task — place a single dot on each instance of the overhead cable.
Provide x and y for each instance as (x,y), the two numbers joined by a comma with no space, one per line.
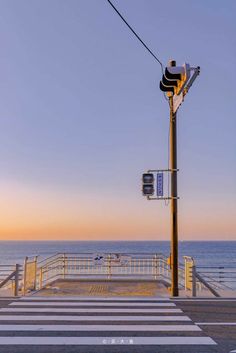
(136,35)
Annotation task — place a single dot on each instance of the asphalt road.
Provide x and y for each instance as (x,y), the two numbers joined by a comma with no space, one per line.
(216,317)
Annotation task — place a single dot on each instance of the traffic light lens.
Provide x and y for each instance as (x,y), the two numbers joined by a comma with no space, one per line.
(148,190)
(148,178)
(166,88)
(172,76)
(169,83)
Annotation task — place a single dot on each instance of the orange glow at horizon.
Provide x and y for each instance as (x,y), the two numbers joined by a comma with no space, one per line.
(29,213)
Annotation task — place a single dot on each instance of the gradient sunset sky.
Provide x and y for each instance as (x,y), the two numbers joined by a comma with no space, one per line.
(82,117)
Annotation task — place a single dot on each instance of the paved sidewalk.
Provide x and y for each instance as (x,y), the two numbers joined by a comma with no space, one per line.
(104,288)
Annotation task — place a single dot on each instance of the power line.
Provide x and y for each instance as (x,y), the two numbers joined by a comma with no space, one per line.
(155,57)
(159,62)
(141,41)
(136,35)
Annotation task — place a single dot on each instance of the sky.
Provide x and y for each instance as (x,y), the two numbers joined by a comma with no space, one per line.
(82,117)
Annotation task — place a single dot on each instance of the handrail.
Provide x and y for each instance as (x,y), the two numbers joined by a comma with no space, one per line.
(12,276)
(47,258)
(206,284)
(213,278)
(218,276)
(141,265)
(67,265)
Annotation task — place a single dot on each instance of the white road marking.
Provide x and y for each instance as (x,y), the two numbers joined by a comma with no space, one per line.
(104,328)
(217,323)
(23,303)
(88,310)
(39,341)
(91,318)
(217,300)
(7,298)
(233,351)
(101,299)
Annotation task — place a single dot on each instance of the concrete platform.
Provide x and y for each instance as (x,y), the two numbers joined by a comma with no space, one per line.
(104,288)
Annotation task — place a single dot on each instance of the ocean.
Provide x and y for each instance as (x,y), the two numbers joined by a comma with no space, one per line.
(205,253)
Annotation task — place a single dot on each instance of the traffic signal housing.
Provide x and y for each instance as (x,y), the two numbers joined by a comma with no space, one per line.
(175,79)
(148,184)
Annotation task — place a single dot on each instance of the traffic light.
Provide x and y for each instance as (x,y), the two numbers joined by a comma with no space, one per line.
(175,79)
(148,184)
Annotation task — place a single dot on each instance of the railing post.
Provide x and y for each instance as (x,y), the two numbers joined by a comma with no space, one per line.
(25,275)
(188,262)
(16,287)
(168,262)
(35,272)
(194,287)
(185,274)
(109,266)
(167,267)
(156,265)
(40,277)
(64,265)
(190,277)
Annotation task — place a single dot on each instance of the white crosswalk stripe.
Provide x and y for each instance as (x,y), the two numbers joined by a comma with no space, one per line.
(68,304)
(89,310)
(88,319)
(99,328)
(105,340)
(97,299)
(91,318)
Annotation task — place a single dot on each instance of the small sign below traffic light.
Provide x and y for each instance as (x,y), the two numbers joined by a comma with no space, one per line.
(159,184)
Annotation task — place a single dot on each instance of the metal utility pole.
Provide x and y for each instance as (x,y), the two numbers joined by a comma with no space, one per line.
(174,201)
(176,82)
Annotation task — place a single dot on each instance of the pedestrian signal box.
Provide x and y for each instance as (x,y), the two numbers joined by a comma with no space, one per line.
(148,184)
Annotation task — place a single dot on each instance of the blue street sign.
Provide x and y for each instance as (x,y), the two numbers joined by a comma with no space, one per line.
(159,184)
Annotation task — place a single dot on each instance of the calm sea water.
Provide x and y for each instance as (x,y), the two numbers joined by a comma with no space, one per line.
(205,253)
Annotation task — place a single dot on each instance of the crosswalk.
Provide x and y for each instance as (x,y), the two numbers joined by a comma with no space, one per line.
(63,322)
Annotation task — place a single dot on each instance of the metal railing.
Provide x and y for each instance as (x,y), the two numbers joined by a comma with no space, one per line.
(30,274)
(193,279)
(219,277)
(10,278)
(215,279)
(108,266)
